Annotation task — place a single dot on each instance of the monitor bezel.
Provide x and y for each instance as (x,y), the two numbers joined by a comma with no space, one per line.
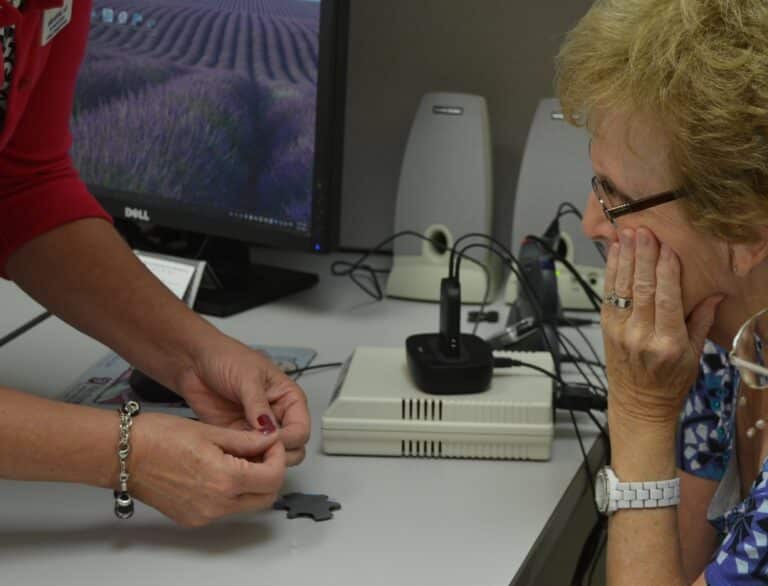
(329,135)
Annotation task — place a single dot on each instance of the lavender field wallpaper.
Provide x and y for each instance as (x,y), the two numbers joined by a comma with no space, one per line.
(210,103)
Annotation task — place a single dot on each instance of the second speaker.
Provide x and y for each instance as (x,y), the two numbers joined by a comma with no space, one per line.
(445,191)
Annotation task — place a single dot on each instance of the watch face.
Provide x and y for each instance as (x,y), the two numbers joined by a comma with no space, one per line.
(601,491)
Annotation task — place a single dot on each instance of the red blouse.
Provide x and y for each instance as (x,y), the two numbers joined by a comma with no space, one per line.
(39,187)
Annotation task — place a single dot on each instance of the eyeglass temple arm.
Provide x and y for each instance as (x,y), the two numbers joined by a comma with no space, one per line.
(643,204)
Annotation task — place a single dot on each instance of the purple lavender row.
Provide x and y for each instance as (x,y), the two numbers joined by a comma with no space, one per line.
(191,138)
(288,176)
(281,8)
(213,139)
(275,49)
(102,78)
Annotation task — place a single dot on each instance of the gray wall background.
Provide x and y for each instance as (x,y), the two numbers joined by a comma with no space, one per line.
(401,49)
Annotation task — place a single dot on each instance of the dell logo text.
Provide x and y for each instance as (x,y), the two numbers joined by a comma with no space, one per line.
(136,214)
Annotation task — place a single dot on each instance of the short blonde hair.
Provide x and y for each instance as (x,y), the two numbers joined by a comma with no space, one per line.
(700,67)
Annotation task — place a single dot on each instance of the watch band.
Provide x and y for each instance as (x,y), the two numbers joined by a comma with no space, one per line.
(613,495)
(646,495)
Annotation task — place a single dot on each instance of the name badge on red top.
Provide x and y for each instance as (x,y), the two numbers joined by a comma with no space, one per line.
(54,21)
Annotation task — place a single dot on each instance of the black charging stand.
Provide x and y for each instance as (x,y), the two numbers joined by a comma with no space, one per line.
(449,362)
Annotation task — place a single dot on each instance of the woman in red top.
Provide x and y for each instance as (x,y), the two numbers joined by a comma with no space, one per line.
(58,245)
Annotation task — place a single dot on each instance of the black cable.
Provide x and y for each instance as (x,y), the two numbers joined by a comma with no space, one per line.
(573,350)
(590,476)
(487,271)
(589,344)
(506,255)
(566,208)
(314,367)
(593,296)
(598,554)
(581,360)
(600,247)
(603,431)
(509,260)
(24,328)
(501,362)
(589,551)
(569,397)
(572,209)
(604,434)
(563,339)
(500,251)
(350,268)
(595,542)
(502,247)
(589,545)
(592,548)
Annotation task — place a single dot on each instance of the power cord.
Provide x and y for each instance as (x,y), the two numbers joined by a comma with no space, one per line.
(594,298)
(572,350)
(24,328)
(568,208)
(597,362)
(595,541)
(314,367)
(342,268)
(597,556)
(511,261)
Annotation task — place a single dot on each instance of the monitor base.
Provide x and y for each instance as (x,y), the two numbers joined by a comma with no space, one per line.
(238,286)
(231,283)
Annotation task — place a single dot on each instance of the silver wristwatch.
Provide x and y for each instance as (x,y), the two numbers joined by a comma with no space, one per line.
(612,495)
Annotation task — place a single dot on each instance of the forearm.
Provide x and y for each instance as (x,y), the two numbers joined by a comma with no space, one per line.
(698,538)
(45,440)
(85,274)
(643,545)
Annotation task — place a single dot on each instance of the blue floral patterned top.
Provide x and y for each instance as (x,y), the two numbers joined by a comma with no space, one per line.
(705,448)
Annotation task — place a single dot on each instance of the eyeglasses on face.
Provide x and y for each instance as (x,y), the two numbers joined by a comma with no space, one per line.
(615,204)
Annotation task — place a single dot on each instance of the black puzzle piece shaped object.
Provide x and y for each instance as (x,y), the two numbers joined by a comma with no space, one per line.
(315,506)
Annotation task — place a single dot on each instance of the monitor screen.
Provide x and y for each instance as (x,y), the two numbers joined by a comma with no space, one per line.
(218,116)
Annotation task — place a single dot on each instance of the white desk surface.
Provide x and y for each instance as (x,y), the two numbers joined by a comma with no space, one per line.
(403,521)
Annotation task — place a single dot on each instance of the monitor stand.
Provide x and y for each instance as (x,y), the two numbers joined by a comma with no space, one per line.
(229,287)
(231,284)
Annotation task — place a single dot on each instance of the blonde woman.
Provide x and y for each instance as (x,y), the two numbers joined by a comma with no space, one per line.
(675,96)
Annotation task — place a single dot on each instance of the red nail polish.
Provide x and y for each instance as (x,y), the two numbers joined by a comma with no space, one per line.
(266,423)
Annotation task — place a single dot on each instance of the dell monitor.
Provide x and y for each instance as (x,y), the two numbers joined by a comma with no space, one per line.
(220,118)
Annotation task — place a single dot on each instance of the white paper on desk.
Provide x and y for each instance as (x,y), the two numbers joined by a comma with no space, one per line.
(181,276)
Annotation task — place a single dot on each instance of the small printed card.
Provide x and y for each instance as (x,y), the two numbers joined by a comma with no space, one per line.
(182,276)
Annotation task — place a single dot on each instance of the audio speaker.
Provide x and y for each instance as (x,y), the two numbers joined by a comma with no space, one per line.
(445,191)
(556,168)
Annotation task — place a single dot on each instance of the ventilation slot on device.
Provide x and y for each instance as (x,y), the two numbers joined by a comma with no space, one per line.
(421,409)
(427,449)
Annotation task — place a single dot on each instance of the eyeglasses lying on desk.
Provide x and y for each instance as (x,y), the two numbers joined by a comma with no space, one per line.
(748,352)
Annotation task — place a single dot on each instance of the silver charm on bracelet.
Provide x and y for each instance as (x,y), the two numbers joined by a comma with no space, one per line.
(123,500)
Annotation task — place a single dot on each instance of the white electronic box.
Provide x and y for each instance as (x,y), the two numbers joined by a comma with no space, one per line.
(377,410)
